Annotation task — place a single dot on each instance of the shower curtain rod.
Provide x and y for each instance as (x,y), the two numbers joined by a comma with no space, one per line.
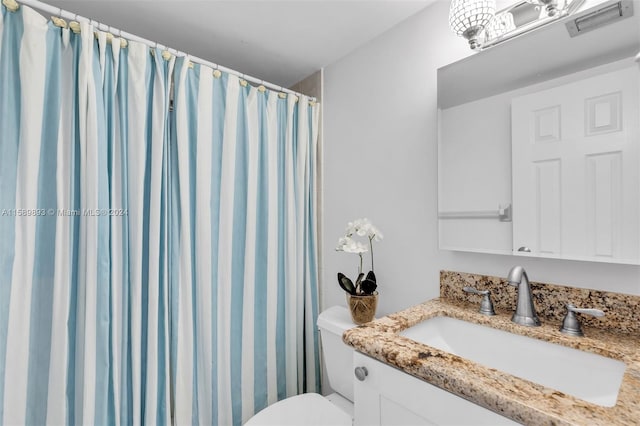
(36,4)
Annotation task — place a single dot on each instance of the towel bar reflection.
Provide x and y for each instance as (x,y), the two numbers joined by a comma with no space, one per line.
(503,214)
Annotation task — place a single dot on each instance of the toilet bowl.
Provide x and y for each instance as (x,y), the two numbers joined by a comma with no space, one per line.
(312,409)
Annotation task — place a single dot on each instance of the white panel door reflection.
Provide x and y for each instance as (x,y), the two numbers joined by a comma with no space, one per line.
(575,162)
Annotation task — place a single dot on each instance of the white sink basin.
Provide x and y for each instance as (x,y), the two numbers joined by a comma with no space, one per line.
(590,377)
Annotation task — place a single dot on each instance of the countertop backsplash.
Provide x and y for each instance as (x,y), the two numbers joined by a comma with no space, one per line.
(622,311)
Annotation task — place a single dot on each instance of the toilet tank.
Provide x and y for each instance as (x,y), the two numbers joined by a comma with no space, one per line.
(338,357)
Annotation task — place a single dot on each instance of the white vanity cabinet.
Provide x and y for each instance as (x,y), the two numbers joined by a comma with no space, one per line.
(388,396)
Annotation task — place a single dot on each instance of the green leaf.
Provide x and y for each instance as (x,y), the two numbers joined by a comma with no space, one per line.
(368,286)
(371,276)
(346,283)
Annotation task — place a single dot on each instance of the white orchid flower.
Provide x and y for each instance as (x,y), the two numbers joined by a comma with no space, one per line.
(365,228)
(358,247)
(353,227)
(361,227)
(349,245)
(375,234)
(342,241)
(355,247)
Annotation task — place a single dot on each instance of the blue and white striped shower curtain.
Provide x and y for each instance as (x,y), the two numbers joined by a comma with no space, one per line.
(155,267)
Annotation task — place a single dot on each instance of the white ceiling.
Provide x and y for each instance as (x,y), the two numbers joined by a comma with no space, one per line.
(277,41)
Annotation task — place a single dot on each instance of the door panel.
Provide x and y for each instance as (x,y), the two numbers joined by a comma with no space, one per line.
(575,168)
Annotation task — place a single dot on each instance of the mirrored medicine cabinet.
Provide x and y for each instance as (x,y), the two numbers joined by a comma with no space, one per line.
(539,142)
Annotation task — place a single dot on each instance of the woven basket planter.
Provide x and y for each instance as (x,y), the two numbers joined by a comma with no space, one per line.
(362,308)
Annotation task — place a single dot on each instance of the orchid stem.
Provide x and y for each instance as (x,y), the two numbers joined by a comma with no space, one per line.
(371,247)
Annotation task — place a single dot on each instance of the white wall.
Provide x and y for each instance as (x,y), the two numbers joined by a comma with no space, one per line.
(380,161)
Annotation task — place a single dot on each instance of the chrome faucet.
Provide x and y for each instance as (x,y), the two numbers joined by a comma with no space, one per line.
(525,313)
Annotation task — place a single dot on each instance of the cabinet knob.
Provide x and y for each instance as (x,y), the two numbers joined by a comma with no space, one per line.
(361,373)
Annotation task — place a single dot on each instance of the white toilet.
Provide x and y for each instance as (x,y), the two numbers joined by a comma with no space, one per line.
(312,408)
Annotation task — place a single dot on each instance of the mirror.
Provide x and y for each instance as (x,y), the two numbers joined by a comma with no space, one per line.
(538,151)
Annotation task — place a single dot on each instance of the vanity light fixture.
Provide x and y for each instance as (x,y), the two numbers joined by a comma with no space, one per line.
(484,27)
(468,18)
(550,6)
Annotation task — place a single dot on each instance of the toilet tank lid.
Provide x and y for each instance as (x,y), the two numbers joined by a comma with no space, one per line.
(335,319)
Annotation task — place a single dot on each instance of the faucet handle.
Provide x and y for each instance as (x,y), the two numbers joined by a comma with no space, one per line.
(592,312)
(486,305)
(571,325)
(474,290)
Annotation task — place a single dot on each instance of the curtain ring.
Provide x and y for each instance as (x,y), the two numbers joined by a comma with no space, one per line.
(75,25)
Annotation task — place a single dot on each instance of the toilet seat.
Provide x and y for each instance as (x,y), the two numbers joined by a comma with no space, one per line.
(309,409)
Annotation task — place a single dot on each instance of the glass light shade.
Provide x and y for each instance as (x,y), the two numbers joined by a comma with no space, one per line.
(501,24)
(467,18)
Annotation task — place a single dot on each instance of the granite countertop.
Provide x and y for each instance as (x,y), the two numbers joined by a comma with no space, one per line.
(520,400)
